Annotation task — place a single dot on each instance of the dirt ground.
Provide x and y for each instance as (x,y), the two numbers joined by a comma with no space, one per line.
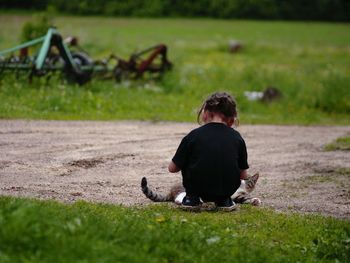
(105,161)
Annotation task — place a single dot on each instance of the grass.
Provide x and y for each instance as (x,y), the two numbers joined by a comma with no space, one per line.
(47,231)
(342,143)
(308,62)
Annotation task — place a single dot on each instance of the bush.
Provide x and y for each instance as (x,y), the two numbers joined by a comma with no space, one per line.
(37,27)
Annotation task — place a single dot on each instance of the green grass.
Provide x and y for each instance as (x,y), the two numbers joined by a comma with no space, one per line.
(342,143)
(47,231)
(308,62)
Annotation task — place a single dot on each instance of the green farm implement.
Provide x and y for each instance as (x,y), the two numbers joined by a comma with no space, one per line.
(54,55)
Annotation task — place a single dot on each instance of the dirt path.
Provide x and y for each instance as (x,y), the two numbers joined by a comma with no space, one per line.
(104,162)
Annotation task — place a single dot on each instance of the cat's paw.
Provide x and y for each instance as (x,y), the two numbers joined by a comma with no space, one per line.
(256,201)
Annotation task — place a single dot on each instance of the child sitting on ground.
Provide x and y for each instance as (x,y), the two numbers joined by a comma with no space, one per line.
(213,157)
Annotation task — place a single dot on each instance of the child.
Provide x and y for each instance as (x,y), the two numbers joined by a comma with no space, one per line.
(213,157)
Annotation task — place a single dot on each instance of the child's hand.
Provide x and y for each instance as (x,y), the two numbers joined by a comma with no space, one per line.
(173,168)
(244,174)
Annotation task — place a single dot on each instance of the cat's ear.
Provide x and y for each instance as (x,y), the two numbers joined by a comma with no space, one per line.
(251,182)
(254,178)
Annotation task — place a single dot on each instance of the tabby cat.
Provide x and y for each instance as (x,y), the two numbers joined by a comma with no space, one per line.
(177,192)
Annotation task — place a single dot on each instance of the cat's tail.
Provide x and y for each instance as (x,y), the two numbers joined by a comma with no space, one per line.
(155,197)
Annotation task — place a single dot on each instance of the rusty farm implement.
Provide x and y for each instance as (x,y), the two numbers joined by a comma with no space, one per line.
(55,55)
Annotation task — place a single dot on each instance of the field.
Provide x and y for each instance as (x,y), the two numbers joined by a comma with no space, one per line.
(307,62)
(93,168)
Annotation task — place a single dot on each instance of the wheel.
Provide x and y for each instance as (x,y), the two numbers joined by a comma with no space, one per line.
(85,69)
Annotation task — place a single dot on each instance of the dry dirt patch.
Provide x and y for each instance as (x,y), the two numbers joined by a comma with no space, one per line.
(105,161)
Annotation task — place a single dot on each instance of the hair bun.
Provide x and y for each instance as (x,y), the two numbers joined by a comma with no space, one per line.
(213,102)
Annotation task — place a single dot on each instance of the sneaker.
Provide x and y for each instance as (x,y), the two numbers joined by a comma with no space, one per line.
(226,205)
(191,203)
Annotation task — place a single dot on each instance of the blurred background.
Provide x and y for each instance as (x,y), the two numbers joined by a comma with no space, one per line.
(299,49)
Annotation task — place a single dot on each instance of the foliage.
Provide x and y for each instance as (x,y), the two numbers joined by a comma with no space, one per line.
(47,231)
(36,27)
(330,10)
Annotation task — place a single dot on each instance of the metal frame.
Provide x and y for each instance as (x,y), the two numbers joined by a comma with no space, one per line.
(79,68)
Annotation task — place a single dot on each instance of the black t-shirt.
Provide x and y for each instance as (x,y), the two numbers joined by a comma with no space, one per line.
(210,158)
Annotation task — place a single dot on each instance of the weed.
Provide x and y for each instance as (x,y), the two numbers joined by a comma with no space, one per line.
(342,143)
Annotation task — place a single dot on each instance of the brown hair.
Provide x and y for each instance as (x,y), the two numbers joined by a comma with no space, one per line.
(219,102)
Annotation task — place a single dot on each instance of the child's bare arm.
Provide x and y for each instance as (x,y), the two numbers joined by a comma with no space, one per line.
(244,174)
(173,168)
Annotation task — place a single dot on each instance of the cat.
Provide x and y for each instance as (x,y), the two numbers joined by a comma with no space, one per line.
(177,192)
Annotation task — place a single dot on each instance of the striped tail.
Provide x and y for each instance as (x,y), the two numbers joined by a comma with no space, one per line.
(155,197)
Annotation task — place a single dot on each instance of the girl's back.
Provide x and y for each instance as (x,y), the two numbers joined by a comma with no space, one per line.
(214,155)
